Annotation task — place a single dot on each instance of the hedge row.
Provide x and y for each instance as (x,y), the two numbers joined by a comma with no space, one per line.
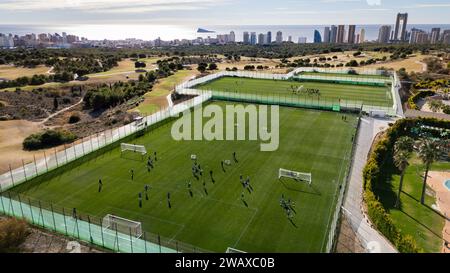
(416,97)
(48,139)
(381,159)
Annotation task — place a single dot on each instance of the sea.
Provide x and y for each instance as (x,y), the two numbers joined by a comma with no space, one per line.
(171,32)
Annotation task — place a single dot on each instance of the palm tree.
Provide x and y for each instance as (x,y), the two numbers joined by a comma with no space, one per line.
(428,152)
(402,153)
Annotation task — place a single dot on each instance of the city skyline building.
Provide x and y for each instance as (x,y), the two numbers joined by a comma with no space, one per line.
(400,27)
(333,34)
(340,34)
(351,34)
(384,34)
(317,37)
(326,35)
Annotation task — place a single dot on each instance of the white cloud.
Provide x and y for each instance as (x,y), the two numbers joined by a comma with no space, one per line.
(374,2)
(111,6)
(432,5)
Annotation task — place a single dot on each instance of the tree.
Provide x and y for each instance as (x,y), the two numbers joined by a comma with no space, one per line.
(402,153)
(202,67)
(428,152)
(140,65)
(55,103)
(212,66)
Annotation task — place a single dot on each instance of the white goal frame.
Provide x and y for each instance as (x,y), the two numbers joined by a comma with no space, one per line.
(298,176)
(234,250)
(121,225)
(133,148)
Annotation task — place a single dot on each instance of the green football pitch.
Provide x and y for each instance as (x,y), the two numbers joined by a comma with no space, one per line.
(329,92)
(214,219)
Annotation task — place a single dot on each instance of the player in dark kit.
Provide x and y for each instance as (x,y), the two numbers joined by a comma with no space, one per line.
(100,185)
(140,199)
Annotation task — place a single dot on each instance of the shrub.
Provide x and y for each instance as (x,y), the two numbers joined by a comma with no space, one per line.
(47,139)
(416,97)
(446,109)
(74,118)
(13,232)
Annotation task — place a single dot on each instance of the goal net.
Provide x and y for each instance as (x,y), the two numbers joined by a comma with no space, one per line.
(133,148)
(305,177)
(233,250)
(121,225)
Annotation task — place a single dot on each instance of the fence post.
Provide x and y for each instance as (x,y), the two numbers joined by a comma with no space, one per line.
(145,241)
(74,150)
(56,156)
(21,208)
(1,199)
(53,216)
(65,152)
(35,165)
(12,177)
(25,173)
(78,229)
(101,232)
(31,211)
(11,205)
(90,233)
(65,223)
(82,145)
(90,140)
(159,243)
(131,240)
(45,158)
(42,215)
(117,239)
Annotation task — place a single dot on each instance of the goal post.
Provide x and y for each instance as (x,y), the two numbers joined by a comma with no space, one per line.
(133,148)
(122,225)
(234,250)
(304,177)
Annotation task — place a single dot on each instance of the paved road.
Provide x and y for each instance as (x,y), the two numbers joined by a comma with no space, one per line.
(371,239)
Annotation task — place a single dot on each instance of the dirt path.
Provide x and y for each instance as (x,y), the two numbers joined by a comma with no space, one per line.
(61,111)
(436,182)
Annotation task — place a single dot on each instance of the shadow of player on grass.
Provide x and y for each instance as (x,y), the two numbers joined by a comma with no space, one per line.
(311,189)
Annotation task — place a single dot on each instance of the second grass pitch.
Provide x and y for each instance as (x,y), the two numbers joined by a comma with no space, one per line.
(329,92)
(220,213)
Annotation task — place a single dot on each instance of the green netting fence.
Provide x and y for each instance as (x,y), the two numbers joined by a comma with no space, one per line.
(349,81)
(87,228)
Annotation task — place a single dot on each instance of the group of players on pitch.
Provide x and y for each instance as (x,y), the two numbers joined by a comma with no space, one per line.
(150,166)
(288,207)
(197,172)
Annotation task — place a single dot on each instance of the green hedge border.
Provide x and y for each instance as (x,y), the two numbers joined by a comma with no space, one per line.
(416,97)
(372,175)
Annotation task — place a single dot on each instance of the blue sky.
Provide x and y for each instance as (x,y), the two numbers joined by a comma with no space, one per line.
(221,12)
